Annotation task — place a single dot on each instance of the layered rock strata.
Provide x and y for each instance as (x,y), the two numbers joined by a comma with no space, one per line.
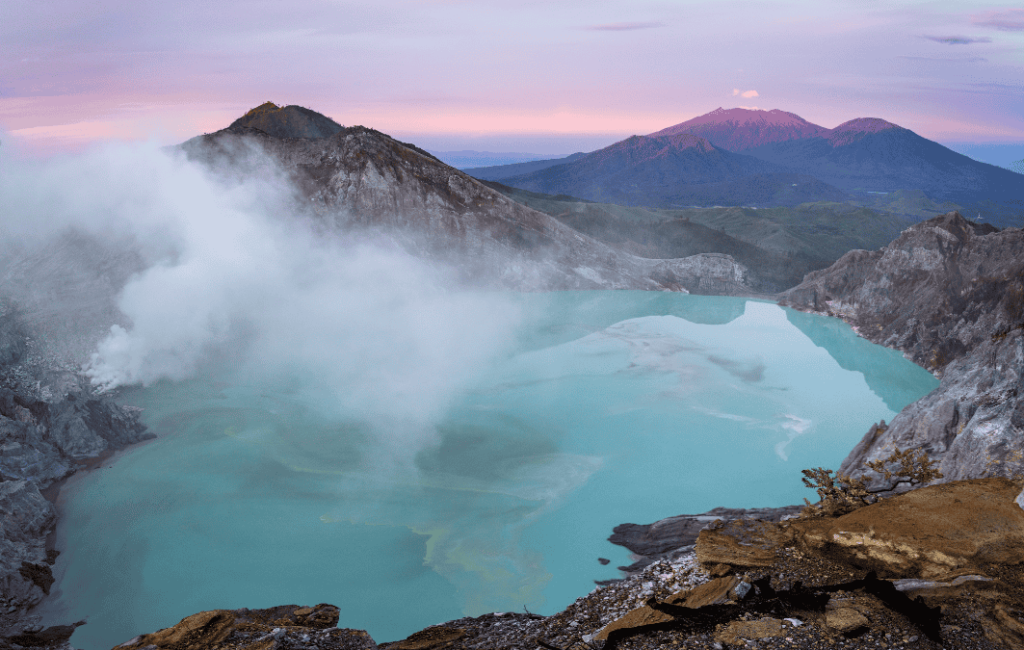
(949,294)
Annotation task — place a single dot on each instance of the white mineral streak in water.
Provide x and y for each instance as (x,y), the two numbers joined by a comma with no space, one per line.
(614,407)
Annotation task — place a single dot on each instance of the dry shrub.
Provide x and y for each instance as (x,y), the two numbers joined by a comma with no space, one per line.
(842,494)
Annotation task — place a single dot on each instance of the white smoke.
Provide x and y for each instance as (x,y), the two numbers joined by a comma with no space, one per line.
(233,271)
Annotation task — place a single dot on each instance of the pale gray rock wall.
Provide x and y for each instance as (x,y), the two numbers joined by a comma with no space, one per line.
(27,519)
(949,294)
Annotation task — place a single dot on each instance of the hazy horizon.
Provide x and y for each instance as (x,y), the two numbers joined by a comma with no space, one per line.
(1001,154)
(546,78)
(520,147)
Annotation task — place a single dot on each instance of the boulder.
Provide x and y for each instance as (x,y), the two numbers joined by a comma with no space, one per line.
(288,626)
(738,632)
(675,536)
(932,533)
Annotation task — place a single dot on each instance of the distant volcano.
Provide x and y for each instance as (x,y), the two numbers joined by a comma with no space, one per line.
(288,122)
(673,171)
(737,129)
(874,155)
(863,155)
(859,128)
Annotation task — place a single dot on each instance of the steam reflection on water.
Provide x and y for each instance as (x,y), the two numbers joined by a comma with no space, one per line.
(611,407)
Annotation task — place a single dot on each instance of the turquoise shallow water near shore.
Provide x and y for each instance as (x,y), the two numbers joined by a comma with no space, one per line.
(613,407)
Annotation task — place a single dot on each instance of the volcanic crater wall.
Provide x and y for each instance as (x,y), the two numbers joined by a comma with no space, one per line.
(949,294)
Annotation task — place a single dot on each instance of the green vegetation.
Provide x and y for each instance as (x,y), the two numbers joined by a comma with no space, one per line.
(779,245)
(911,204)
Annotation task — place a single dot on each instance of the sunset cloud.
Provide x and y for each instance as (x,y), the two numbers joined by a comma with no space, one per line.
(1009,20)
(958,40)
(131,70)
(622,27)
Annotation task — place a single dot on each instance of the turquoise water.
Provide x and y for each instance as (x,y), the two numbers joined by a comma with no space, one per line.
(612,407)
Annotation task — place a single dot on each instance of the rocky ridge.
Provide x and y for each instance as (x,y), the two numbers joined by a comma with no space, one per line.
(949,294)
(362,180)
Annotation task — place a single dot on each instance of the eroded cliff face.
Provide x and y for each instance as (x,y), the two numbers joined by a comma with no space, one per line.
(949,294)
(51,425)
(365,181)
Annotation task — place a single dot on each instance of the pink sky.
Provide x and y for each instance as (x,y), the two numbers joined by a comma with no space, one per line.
(547,77)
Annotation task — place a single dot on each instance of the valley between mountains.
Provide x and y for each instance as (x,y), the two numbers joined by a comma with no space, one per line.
(918,248)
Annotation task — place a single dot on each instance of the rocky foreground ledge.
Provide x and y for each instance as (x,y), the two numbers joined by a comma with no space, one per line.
(934,568)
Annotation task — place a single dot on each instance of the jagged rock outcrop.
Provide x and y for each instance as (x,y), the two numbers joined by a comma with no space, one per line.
(949,294)
(51,425)
(362,180)
(947,557)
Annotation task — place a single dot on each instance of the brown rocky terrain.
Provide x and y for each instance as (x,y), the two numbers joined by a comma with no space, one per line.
(288,626)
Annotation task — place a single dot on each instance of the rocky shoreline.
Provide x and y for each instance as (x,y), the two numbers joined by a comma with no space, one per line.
(923,570)
(930,568)
(52,425)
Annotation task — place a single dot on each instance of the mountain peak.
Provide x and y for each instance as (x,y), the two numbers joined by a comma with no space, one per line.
(737,129)
(263,108)
(288,122)
(747,115)
(857,128)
